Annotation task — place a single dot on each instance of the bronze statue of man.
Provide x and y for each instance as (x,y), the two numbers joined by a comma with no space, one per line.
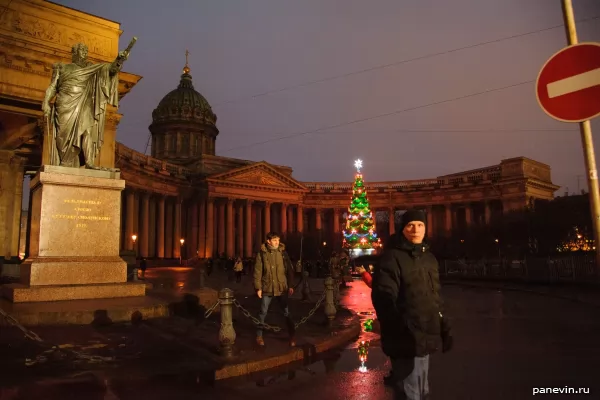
(83,91)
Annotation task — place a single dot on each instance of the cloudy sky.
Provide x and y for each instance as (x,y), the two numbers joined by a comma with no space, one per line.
(416,88)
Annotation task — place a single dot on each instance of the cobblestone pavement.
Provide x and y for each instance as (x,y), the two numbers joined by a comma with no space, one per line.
(507,343)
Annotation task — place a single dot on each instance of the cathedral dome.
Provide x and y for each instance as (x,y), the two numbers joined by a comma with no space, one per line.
(184,103)
(183,124)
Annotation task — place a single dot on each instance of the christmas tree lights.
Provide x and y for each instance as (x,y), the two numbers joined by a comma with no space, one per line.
(360,224)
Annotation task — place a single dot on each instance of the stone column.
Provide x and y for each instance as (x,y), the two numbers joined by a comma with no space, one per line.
(229,248)
(210,223)
(160,223)
(221,228)
(319,224)
(169,229)
(429,228)
(283,217)
(267,227)
(318,219)
(248,230)
(202,229)
(177,230)
(290,220)
(239,230)
(136,222)
(106,157)
(275,220)
(391,216)
(488,212)
(258,233)
(336,220)
(152,228)
(468,215)
(11,195)
(193,241)
(300,219)
(144,234)
(130,218)
(448,218)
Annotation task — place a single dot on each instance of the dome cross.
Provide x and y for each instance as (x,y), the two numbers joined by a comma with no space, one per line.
(186,69)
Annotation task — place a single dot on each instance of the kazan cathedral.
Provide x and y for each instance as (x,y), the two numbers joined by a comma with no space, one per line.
(220,205)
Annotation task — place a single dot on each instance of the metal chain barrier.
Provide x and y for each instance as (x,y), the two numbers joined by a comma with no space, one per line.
(12,321)
(255,320)
(211,309)
(266,326)
(54,348)
(311,312)
(298,284)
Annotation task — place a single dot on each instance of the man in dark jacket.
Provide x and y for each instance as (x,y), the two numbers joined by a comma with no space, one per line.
(272,271)
(406,297)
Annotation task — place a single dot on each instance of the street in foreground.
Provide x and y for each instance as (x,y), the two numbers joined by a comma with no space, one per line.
(507,344)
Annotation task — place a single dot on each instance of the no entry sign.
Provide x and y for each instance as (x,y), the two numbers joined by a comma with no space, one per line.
(568,86)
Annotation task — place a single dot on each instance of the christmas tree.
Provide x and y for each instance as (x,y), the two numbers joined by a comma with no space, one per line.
(360,225)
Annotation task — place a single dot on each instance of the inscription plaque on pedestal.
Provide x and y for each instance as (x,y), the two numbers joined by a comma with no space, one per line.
(74,238)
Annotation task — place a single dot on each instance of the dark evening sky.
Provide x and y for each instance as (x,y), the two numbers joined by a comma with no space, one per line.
(266,67)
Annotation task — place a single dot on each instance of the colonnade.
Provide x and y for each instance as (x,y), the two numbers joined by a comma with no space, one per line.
(169,227)
(445,218)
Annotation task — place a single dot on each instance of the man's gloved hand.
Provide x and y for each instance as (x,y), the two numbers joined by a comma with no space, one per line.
(447,342)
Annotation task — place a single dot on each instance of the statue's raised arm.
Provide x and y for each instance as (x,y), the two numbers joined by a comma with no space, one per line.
(122,57)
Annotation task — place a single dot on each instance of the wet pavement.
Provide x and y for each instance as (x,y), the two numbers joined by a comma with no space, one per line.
(506,345)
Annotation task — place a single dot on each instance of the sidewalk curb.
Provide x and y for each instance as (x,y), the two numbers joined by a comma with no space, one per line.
(306,352)
(500,286)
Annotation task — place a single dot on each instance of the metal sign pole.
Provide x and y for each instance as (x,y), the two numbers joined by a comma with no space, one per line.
(587,142)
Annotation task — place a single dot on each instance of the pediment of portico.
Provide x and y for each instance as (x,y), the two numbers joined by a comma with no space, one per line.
(260,174)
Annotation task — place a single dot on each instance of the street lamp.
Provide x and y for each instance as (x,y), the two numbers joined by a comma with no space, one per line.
(134,238)
(182,241)
(324,244)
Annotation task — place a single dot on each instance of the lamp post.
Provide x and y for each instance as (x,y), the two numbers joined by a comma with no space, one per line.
(182,241)
(134,238)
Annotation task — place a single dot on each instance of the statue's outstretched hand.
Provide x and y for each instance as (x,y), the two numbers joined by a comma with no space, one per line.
(123,55)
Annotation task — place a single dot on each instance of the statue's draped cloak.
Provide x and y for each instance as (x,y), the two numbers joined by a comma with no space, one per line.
(81,100)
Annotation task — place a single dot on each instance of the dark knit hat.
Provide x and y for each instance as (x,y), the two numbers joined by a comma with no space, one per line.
(413,215)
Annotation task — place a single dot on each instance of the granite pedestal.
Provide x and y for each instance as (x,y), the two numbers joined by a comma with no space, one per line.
(74,239)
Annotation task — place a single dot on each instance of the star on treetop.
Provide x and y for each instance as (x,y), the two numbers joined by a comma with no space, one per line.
(358,164)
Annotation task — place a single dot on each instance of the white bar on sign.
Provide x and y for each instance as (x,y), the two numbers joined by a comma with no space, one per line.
(574,83)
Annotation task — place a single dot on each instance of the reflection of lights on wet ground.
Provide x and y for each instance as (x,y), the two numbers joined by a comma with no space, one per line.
(368,325)
(363,353)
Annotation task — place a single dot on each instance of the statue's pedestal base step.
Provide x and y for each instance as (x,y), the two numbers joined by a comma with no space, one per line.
(19,293)
(45,271)
(84,312)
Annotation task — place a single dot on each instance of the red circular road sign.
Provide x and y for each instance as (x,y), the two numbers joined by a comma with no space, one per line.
(568,86)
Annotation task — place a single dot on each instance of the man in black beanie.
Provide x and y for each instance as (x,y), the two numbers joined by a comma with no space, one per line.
(406,297)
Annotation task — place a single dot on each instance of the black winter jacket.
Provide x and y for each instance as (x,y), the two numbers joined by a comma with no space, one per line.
(406,297)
